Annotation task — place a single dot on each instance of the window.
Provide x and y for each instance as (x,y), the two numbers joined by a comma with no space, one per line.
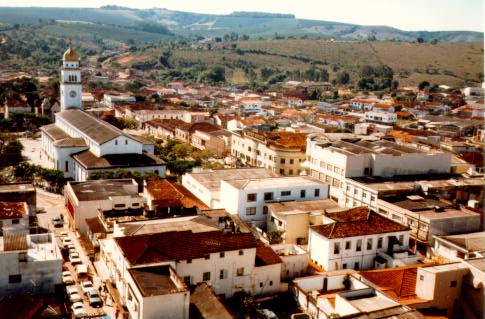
(356,191)
(282,160)
(347,245)
(290,172)
(222,274)
(379,242)
(265,210)
(344,266)
(372,198)
(116,142)
(292,161)
(282,171)
(453,283)
(222,254)
(23,257)
(135,204)
(250,210)
(271,282)
(206,276)
(364,194)
(336,248)
(302,193)
(207,257)
(249,148)
(359,245)
(241,252)
(119,205)
(14,279)
(421,277)
(268,196)
(189,261)
(260,285)
(285,193)
(15,221)
(66,165)
(401,240)
(240,271)
(369,243)
(317,192)
(251,197)
(126,142)
(356,265)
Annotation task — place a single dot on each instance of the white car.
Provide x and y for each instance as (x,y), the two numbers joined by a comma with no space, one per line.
(72,289)
(86,286)
(76,261)
(81,269)
(66,241)
(75,297)
(78,310)
(67,278)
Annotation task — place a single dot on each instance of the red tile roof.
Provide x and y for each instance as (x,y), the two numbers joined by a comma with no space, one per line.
(169,125)
(10,210)
(181,245)
(397,283)
(265,255)
(168,194)
(357,221)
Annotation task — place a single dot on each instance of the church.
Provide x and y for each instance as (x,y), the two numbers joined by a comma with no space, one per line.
(79,144)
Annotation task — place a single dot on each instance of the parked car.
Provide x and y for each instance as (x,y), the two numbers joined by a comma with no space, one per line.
(78,310)
(86,285)
(57,222)
(81,269)
(66,241)
(67,278)
(75,261)
(72,289)
(75,297)
(266,314)
(94,299)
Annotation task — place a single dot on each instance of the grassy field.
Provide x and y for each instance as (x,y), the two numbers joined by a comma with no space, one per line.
(453,64)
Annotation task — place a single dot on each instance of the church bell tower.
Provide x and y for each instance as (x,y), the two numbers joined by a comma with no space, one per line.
(70,83)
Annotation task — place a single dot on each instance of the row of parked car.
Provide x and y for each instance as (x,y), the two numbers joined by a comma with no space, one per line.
(74,291)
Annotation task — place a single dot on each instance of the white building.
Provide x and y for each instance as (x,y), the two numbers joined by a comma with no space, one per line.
(341,294)
(281,152)
(79,144)
(29,264)
(336,161)
(206,185)
(460,247)
(84,199)
(358,239)
(381,117)
(228,262)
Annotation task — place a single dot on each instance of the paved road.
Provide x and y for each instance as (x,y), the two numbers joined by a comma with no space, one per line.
(33,151)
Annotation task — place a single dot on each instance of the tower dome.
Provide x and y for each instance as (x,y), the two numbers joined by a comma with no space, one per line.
(71,55)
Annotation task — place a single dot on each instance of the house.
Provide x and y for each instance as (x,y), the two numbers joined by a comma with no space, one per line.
(249,197)
(361,104)
(428,216)
(461,246)
(218,142)
(20,192)
(293,218)
(343,294)
(281,152)
(184,132)
(359,239)
(80,144)
(162,129)
(381,117)
(84,199)
(29,264)
(14,217)
(294,260)
(228,262)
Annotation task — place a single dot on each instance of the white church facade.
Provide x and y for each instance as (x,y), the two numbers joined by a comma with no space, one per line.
(79,144)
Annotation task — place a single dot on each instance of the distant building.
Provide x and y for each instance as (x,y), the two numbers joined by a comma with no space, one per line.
(461,246)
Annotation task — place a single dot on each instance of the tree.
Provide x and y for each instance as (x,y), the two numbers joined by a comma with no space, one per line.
(275,237)
(10,151)
(216,74)
(343,78)
(423,85)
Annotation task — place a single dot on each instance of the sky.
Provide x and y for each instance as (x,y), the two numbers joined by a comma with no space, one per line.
(430,15)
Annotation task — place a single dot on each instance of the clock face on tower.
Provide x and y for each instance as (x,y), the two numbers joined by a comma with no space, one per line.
(72,94)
